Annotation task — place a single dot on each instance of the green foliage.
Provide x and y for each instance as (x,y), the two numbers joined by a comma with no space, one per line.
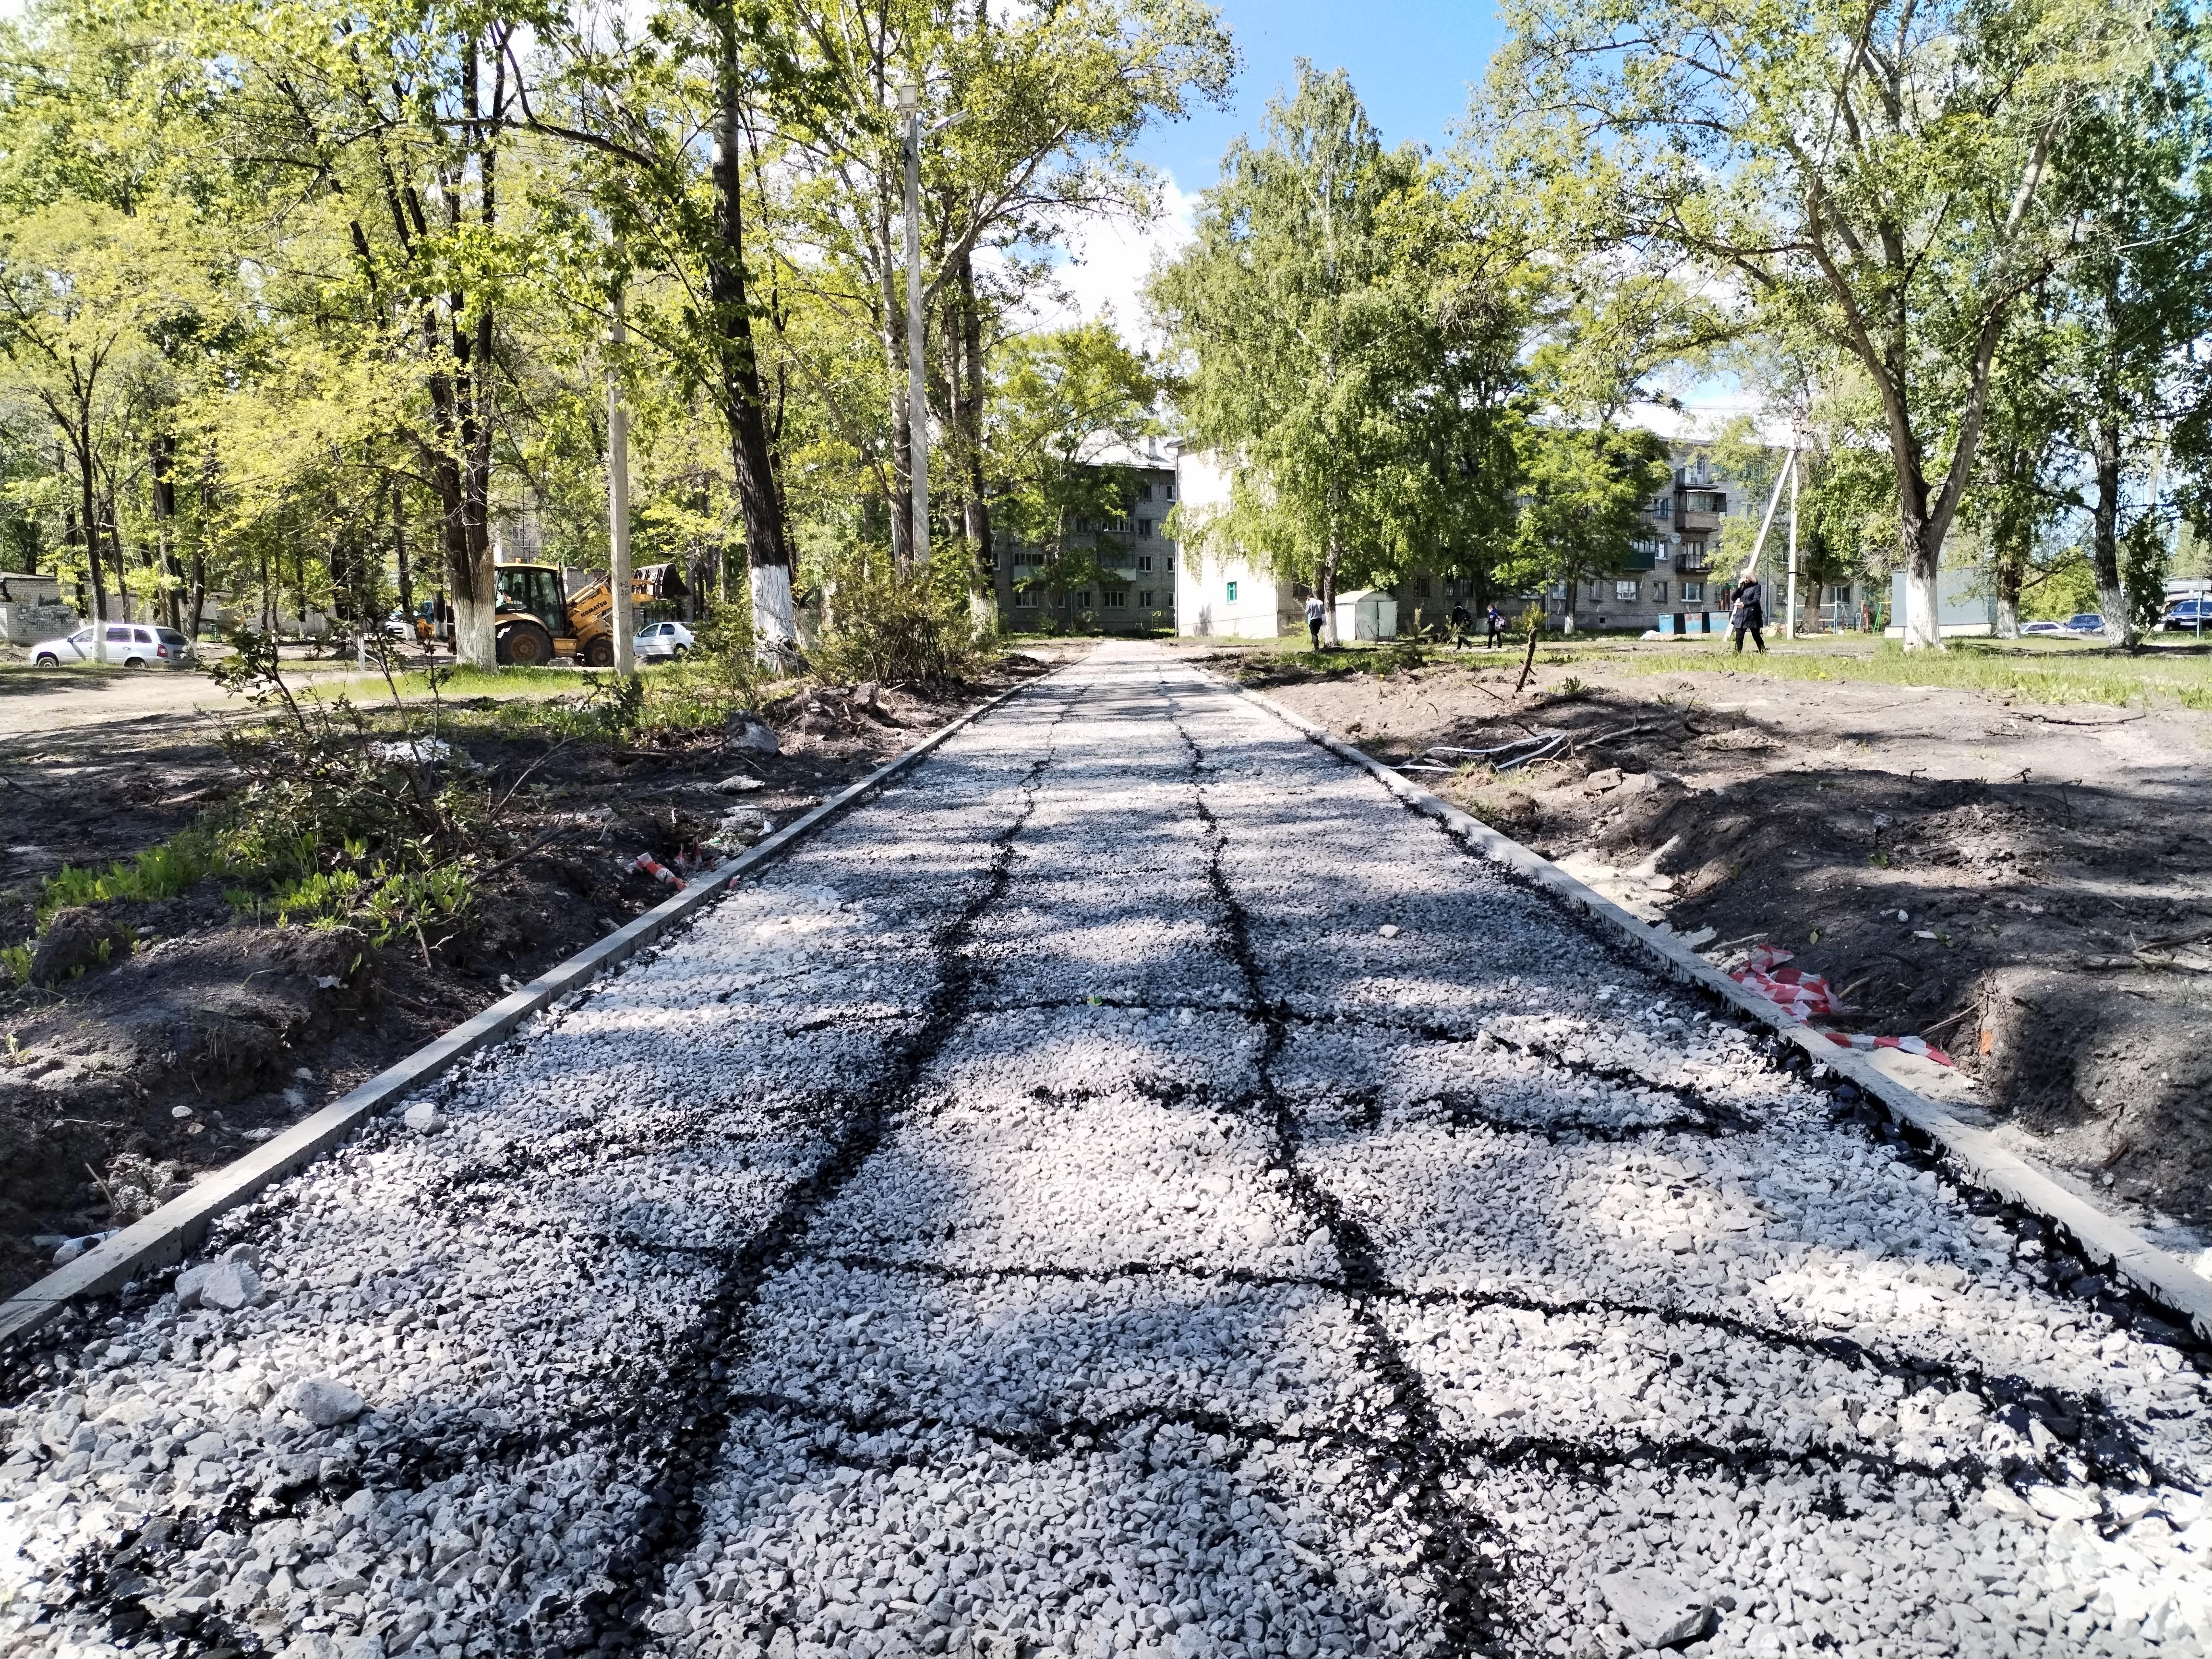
(161,871)
(1066,399)
(1874,179)
(1350,343)
(16,963)
(1582,493)
(885,628)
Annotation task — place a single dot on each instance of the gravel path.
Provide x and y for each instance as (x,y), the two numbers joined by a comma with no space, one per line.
(1129,1187)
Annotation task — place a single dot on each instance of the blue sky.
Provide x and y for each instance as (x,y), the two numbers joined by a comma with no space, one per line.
(1410,61)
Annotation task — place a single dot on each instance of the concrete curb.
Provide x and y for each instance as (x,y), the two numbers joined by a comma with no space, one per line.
(165,1235)
(1984,1162)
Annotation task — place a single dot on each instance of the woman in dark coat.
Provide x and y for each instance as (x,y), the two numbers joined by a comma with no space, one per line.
(1748,614)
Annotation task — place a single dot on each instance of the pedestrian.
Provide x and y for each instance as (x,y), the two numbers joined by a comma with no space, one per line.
(1314,611)
(1866,615)
(1461,622)
(1748,614)
(1497,621)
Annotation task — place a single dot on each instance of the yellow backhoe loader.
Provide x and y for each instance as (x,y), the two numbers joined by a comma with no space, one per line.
(538,623)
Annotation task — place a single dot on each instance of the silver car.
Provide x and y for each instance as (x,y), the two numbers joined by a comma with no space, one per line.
(134,645)
(656,640)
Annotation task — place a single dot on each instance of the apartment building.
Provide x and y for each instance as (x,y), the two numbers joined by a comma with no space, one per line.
(1132,549)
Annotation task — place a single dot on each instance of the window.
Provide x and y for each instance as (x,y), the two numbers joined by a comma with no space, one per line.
(1118,525)
(1421,588)
(1144,492)
(1664,508)
(1596,592)
(1025,602)
(1145,598)
(118,636)
(1117,598)
(1693,555)
(1624,591)
(1232,592)
(1693,593)
(1143,561)
(1143,530)
(169,636)
(143,635)
(1083,599)
(534,589)
(1658,592)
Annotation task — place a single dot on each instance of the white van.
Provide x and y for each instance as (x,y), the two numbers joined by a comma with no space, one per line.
(135,645)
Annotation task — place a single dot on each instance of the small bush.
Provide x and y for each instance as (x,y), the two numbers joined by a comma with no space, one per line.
(882,624)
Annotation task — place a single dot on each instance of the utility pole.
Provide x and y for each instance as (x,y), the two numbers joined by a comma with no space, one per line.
(917,395)
(1789,622)
(618,576)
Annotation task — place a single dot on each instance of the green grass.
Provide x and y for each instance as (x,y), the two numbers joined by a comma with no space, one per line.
(459,683)
(2032,671)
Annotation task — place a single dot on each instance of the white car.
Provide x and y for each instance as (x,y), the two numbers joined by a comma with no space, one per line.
(656,640)
(134,645)
(2043,628)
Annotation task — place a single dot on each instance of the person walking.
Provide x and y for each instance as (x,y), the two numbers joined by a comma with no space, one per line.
(1497,621)
(1461,622)
(1748,614)
(1314,612)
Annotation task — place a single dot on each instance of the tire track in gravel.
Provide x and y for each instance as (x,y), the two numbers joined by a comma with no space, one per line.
(1412,1463)
(693,1443)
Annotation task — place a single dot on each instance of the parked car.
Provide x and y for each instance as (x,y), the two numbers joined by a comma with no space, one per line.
(2190,614)
(134,645)
(2043,628)
(2086,622)
(657,641)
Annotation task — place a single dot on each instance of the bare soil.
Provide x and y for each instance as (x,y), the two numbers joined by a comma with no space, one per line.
(204,1034)
(2021,884)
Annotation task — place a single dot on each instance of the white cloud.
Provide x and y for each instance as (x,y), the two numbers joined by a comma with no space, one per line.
(1107,262)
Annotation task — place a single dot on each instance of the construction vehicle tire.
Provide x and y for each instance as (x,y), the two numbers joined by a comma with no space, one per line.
(526,645)
(599,653)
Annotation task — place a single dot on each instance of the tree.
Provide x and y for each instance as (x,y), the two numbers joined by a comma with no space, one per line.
(1032,113)
(1328,335)
(83,287)
(1875,173)
(1065,401)
(2128,310)
(1582,494)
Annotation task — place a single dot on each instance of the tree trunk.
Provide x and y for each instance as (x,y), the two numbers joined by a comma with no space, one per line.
(91,519)
(162,452)
(399,549)
(967,401)
(1923,625)
(767,552)
(2105,535)
(1326,587)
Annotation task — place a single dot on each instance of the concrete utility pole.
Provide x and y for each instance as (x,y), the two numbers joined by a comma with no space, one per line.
(618,576)
(1789,622)
(917,395)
